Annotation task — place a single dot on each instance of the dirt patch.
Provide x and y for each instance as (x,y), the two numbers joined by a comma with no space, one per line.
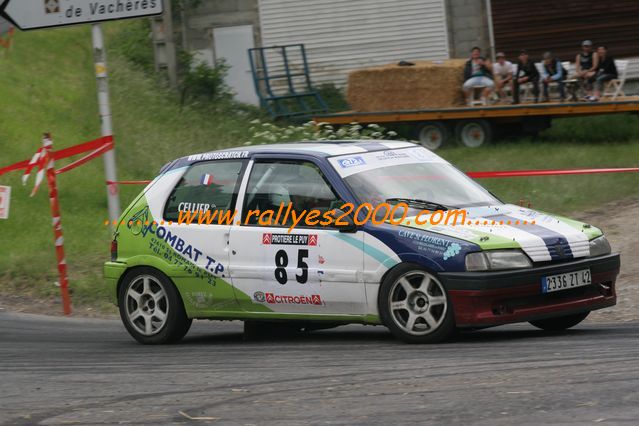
(617,220)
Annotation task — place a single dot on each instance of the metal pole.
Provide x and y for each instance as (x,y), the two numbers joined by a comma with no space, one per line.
(110,170)
(491,32)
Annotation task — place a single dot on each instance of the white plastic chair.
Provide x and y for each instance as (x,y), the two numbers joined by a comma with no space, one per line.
(473,101)
(614,87)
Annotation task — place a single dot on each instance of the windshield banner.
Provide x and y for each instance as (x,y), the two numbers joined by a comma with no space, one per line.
(347,165)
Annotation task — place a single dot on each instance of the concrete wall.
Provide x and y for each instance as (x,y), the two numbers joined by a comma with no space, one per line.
(199,22)
(467,27)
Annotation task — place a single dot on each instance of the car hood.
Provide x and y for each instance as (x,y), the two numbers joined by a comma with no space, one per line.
(542,236)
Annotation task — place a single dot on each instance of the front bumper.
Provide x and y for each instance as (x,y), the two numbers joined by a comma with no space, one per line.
(482,299)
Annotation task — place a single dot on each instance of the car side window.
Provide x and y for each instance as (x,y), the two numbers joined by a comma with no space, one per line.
(300,183)
(205,186)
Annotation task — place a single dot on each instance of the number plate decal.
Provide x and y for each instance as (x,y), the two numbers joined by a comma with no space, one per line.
(565,281)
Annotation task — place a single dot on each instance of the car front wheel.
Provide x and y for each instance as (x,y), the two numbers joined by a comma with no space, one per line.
(415,307)
(151,308)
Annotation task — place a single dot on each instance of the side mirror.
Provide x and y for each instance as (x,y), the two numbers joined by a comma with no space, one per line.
(344,222)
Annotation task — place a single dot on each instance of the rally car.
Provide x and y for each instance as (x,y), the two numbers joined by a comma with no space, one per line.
(423,281)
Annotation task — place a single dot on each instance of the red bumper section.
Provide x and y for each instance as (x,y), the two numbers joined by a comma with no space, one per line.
(488,307)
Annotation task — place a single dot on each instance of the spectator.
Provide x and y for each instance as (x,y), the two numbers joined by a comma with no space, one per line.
(477,74)
(526,73)
(586,66)
(606,71)
(503,72)
(552,71)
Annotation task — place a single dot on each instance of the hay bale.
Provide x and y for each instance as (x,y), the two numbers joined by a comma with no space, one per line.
(425,85)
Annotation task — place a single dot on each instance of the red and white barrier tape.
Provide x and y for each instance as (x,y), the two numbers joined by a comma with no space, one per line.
(550,172)
(98,146)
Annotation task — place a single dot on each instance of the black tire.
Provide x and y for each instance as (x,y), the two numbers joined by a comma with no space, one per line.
(163,297)
(474,133)
(432,134)
(397,319)
(560,323)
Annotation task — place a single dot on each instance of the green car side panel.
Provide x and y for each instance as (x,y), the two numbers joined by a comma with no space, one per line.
(204,295)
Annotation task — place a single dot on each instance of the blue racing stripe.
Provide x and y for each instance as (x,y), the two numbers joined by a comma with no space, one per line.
(556,243)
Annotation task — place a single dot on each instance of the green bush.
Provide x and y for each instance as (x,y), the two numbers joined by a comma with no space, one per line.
(134,42)
(200,82)
(333,96)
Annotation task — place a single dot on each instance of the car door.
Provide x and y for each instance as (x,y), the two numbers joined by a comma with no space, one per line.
(207,189)
(306,270)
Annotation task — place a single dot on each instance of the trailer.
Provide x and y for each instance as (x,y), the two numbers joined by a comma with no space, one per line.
(475,126)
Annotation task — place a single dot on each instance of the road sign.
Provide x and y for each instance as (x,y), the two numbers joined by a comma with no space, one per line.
(34,14)
(5,196)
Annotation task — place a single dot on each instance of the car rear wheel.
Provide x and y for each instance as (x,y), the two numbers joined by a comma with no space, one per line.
(560,323)
(415,307)
(151,308)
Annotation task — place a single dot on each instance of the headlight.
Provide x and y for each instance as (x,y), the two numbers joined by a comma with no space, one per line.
(599,246)
(496,260)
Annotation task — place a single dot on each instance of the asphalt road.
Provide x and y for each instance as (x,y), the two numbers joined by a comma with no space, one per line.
(80,371)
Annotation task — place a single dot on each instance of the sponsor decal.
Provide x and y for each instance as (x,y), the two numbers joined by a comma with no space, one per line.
(195,207)
(137,221)
(290,239)
(351,162)
(206,179)
(391,155)
(259,296)
(434,245)
(223,155)
(321,260)
(277,299)
(189,252)
(199,299)
(452,251)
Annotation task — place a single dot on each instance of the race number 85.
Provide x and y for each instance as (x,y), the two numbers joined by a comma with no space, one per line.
(281,262)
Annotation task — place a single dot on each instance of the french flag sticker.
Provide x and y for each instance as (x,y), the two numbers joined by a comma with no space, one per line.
(207,179)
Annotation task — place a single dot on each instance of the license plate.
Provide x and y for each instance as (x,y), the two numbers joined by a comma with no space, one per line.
(565,281)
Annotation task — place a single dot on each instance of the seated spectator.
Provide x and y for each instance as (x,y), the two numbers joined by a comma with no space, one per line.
(477,73)
(553,71)
(526,73)
(503,72)
(606,71)
(586,66)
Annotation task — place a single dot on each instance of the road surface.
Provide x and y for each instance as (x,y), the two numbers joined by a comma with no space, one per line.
(85,371)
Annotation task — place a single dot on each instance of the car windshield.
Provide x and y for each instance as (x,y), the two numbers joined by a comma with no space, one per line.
(377,177)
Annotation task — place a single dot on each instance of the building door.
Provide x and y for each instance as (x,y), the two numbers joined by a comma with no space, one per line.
(232,44)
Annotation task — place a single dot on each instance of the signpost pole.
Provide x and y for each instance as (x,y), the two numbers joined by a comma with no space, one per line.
(101,75)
